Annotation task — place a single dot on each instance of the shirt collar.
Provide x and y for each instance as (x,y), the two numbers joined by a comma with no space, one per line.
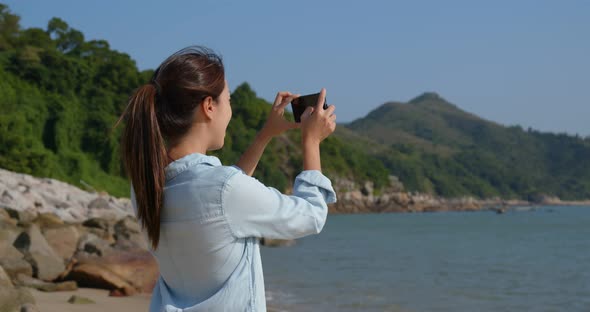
(176,167)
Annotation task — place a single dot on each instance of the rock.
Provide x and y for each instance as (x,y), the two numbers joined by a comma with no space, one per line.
(367,188)
(401,199)
(11,258)
(127,225)
(97,223)
(80,300)
(26,195)
(272,242)
(91,244)
(48,220)
(128,235)
(99,276)
(136,267)
(100,227)
(107,207)
(100,202)
(14,263)
(5,217)
(135,241)
(23,217)
(63,240)
(4,278)
(46,263)
(29,307)
(8,233)
(31,282)
(16,299)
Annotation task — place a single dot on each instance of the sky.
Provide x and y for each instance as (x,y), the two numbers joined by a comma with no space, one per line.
(513,62)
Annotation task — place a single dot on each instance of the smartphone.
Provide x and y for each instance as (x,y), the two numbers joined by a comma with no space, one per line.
(299,104)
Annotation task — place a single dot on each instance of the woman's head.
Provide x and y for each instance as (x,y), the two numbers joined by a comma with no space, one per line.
(187,79)
(187,92)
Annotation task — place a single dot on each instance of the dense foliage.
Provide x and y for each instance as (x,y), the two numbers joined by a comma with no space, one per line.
(60,95)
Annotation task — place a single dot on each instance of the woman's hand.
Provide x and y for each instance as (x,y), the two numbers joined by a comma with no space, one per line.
(276,122)
(317,123)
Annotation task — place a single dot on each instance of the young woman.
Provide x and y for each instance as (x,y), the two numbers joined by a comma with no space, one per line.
(203,219)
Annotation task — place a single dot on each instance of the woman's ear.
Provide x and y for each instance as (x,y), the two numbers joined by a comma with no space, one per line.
(207,107)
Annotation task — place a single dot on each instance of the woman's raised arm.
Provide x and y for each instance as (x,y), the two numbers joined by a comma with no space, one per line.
(275,125)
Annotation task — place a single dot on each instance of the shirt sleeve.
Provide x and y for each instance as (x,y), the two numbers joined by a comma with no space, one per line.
(253,209)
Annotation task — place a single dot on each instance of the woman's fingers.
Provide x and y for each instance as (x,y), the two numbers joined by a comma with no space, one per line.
(287,100)
(283,99)
(280,97)
(328,111)
(306,113)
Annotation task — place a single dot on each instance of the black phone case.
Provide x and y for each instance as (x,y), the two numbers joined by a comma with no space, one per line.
(299,104)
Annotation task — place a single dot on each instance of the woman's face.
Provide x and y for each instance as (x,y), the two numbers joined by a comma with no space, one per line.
(223,115)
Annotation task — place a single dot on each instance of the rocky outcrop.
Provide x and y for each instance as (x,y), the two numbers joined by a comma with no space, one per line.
(55,256)
(46,263)
(353,198)
(25,197)
(54,236)
(97,253)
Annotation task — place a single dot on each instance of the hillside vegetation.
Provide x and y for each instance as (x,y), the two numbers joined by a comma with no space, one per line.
(60,95)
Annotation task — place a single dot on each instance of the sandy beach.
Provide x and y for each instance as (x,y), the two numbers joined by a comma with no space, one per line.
(58,301)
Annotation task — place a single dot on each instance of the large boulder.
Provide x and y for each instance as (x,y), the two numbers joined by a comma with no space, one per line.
(46,263)
(11,258)
(137,267)
(63,240)
(96,275)
(14,262)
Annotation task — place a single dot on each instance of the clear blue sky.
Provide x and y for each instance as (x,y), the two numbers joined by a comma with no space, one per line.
(513,62)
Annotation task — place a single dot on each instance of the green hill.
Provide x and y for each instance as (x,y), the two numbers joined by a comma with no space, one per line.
(60,95)
(434,146)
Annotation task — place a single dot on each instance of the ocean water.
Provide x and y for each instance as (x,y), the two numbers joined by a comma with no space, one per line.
(537,260)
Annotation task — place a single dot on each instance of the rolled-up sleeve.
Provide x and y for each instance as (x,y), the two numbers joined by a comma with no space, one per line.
(254,210)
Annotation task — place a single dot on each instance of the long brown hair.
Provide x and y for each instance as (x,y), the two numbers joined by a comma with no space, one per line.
(157,115)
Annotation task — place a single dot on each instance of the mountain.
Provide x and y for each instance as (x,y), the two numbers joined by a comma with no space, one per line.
(435,147)
(60,95)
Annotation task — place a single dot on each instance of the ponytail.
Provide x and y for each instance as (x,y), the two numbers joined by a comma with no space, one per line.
(144,157)
(177,86)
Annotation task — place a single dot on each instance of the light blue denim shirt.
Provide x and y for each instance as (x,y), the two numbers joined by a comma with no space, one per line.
(211,222)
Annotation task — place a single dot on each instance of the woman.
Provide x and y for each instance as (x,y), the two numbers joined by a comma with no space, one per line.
(203,219)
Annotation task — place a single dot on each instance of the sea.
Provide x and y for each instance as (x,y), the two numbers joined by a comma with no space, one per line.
(526,259)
